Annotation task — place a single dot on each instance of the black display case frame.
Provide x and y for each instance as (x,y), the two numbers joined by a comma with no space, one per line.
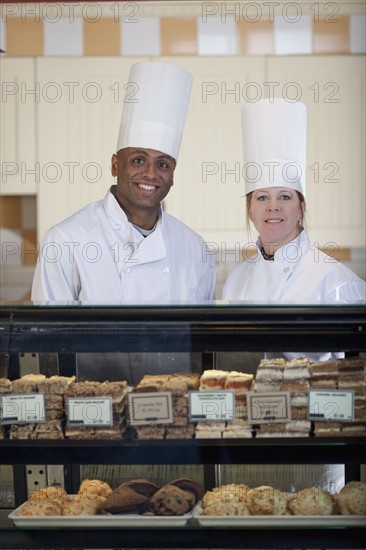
(204,328)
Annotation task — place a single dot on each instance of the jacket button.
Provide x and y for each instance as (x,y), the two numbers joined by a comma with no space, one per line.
(166,269)
(127,269)
(286,270)
(117,227)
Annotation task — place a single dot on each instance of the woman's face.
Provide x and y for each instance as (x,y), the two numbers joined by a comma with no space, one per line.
(276,213)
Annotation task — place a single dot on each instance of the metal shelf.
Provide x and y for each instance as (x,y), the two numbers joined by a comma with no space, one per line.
(349,538)
(308,450)
(184,328)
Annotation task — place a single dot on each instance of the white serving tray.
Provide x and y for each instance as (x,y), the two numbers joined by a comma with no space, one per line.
(278,521)
(96,521)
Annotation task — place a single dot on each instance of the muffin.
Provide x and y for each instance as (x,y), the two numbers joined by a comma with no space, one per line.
(170,500)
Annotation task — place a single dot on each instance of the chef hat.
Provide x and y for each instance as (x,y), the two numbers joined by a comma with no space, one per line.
(274,145)
(155,107)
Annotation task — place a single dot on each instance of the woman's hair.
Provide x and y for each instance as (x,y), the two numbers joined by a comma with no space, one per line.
(249,200)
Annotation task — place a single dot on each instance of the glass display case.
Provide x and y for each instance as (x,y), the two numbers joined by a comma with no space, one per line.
(202,333)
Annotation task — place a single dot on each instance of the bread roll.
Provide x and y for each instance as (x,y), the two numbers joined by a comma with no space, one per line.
(52,493)
(267,501)
(311,502)
(351,500)
(40,508)
(228,508)
(91,489)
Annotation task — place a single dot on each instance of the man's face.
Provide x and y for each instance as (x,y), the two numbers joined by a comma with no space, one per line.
(144,177)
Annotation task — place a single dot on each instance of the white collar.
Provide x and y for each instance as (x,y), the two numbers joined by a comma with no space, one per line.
(117,213)
(291,252)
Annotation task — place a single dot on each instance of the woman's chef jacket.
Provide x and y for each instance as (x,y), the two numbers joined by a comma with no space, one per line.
(97,255)
(300,273)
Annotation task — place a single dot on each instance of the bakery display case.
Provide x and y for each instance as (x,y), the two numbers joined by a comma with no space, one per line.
(202,334)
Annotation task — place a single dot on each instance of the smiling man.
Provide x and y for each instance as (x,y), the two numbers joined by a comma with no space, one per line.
(125,248)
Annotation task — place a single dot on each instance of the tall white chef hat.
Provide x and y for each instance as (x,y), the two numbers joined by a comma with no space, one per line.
(155,107)
(274,145)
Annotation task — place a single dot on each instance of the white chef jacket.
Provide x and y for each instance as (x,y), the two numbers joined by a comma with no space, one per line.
(97,255)
(299,274)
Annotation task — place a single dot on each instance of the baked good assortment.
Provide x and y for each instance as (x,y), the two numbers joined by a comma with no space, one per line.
(117,391)
(53,388)
(238,382)
(136,496)
(179,496)
(142,496)
(277,374)
(54,501)
(240,499)
(297,376)
(342,374)
(178,385)
(57,390)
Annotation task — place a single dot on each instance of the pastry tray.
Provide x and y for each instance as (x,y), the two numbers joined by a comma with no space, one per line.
(96,521)
(278,521)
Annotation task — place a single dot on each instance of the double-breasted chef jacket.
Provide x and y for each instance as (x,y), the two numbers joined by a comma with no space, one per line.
(299,273)
(97,255)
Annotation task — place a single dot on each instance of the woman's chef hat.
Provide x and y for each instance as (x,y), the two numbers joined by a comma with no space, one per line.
(155,107)
(274,145)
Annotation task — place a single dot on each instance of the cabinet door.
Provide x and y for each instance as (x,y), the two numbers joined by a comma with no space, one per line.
(333,88)
(20,95)
(79,117)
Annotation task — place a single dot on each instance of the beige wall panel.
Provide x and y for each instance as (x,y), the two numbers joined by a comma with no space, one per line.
(333,88)
(81,127)
(208,189)
(19,98)
(78,131)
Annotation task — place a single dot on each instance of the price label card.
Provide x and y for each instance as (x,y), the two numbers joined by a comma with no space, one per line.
(211,406)
(89,411)
(335,405)
(150,408)
(268,407)
(23,408)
